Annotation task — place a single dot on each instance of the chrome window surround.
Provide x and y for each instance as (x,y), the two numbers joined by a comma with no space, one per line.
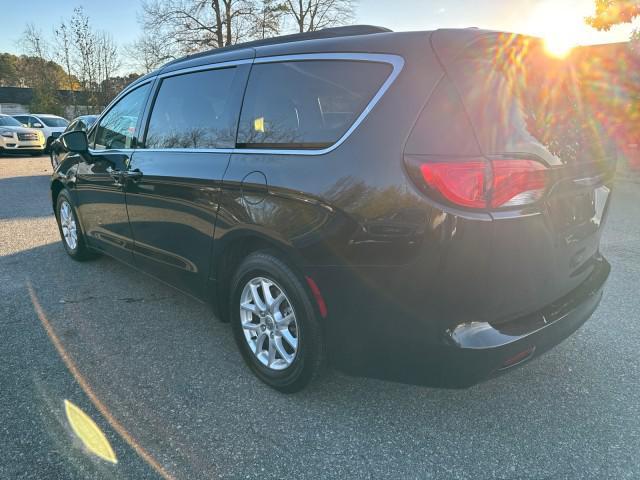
(396,61)
(122,94)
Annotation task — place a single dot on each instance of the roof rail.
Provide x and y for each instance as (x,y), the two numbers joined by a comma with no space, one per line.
(332,32)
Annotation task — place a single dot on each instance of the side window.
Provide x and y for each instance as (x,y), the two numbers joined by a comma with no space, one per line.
(117,129)
(33,121)
(22,119)
(72,126)
(306,104)
(194,110)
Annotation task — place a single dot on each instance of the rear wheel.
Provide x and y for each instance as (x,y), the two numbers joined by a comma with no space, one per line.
(69,227)
(275,323)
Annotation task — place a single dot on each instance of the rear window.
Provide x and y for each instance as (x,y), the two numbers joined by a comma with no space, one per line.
(517,96)
(195,110)
(54,121)
(306,104)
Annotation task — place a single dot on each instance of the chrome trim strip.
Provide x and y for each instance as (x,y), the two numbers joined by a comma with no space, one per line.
(396,61)
(125,151)
(188,150)
(208,66)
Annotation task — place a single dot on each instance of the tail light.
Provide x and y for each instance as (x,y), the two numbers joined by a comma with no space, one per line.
(482,184)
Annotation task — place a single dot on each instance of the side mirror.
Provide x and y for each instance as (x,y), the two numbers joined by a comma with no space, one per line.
(38,125)
(75,141)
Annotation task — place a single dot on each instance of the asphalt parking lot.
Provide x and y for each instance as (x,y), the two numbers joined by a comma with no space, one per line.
(163,380)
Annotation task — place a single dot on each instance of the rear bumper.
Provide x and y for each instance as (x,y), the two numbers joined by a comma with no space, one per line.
(479,350)
(415,350)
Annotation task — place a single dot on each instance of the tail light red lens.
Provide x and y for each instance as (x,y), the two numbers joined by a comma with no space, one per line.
(461,183)
(517,182)
(480,185)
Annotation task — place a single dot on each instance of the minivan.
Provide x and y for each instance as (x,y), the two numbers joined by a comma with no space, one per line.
(420,206)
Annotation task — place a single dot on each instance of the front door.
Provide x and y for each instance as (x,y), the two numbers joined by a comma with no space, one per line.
(101,177)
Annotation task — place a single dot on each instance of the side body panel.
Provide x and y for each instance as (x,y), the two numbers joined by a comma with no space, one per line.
(100,200)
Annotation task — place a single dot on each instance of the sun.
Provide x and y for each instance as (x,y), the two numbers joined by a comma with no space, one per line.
(558,46)
(559,25)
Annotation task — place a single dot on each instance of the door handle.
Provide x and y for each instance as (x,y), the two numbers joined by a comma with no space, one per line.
(134,175)
(117,175)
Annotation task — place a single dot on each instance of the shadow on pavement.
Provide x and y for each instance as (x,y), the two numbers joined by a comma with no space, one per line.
(171,374)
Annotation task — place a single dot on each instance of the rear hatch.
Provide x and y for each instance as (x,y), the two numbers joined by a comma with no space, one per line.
(525,104)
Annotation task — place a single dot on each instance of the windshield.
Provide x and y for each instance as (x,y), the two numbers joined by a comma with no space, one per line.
(6,121)
(54,121)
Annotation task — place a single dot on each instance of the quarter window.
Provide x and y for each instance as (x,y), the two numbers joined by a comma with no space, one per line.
(117,129)
(306,104)
(195,110)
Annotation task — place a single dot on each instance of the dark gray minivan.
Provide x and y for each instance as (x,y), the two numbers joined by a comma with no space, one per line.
(422,206)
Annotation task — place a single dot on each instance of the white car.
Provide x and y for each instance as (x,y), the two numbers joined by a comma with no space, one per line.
(51,126)
(16,138)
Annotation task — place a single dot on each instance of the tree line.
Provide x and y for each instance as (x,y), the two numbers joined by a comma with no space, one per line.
(77,57)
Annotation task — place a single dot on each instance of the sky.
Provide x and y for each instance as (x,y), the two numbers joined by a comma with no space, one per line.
(559,19)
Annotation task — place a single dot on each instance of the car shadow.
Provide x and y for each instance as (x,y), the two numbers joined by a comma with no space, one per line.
(21,197)
(171,373)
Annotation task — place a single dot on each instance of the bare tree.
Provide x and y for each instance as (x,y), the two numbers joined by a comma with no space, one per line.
(194,25)
(149,52)
(84,40)
(108,61)
(63,46)
(33,42)
(311,15)
(268,19)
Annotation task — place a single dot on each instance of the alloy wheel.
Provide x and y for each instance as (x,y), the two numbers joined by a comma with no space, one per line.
(68,225)
(269,323)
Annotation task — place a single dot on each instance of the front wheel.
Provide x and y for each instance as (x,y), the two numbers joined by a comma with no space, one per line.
(275,323)
(69,227)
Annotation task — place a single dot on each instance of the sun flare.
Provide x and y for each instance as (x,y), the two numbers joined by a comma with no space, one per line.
(559,25)
(558,46)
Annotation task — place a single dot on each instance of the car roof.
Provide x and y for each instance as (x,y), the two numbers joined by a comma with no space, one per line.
(45,115)
(355,38)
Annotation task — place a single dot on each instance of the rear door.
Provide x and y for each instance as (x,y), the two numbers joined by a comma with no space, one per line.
(172,192)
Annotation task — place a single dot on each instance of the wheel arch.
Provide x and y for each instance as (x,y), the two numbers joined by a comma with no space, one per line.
(232,249)
(56,187)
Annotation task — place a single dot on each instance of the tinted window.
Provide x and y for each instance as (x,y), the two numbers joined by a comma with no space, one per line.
(117,129)
(554,103)
(73,126)
(54,121)
(22,119)
(9,122)
(195,110)
(306,104)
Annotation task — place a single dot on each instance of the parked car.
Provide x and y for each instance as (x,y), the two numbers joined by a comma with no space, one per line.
(50,125)
(15,138)
(402,205)
(56,151)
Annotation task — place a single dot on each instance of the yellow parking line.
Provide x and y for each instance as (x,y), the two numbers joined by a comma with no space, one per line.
(101,407)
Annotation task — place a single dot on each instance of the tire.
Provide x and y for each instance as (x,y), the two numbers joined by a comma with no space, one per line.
(75,246)
(284,344)
(37,154)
